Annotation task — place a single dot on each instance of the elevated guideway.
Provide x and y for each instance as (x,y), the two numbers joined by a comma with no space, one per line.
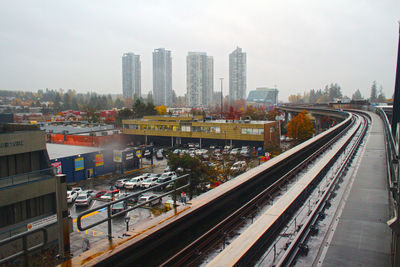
(360,235)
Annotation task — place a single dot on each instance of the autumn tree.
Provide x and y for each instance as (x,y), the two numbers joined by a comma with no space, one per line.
(161,110)
(300,128)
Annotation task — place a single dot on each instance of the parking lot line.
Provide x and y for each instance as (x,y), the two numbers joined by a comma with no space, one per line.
(87,215)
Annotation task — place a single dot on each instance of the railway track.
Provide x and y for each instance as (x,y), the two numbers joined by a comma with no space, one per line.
(299,243)
(216,238)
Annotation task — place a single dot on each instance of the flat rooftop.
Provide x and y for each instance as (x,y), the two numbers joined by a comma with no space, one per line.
(61,151)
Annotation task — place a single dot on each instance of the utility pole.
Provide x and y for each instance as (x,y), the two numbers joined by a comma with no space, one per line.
(222,79)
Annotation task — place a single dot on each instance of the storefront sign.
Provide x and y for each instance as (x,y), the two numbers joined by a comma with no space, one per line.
(57,166)
(79,164)
(99,160)
(117,156)
(129,156)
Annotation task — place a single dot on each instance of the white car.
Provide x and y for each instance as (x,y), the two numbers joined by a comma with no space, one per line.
(71,196)
(149,197)
(134,182)
(77,189)
(121,183)
(238,166)
(235,151)
(83,200)
(149,182)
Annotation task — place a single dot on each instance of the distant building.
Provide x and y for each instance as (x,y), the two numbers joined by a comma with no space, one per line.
(263,96)
(131,76)
(237,75)
(199,79)
(162,77)
(170,130)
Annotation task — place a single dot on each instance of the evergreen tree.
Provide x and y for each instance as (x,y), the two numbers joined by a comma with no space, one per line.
(374,93)
(357,95)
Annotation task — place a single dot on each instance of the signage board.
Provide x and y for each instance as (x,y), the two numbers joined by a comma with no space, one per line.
(99,160)
(79,164)
(117,156)
(57,166)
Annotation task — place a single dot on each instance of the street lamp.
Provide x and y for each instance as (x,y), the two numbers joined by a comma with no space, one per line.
(127,218)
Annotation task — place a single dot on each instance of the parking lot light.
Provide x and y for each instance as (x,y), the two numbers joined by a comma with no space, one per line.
(127,218)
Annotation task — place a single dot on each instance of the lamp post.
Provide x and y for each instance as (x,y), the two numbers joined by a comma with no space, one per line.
(222,79)
(127,218)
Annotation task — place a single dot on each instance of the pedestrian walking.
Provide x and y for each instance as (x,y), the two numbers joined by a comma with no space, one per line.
(183,198)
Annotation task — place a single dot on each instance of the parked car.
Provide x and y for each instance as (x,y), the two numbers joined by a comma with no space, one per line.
(119,207)
(151,181)
(235,151)
(177,151)
(159,155)
(83,200)
(71,196)
(121,183)
(147,154)
(238,166)
(135,182)
(145,198)
(91,192)
(165,177)
(245,152)
(76,189)
(100,193)
(109,195)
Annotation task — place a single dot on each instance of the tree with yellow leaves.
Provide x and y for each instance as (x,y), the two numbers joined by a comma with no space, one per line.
(161,110)
(300,128)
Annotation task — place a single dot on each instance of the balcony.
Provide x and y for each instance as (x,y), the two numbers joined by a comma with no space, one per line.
(24,178)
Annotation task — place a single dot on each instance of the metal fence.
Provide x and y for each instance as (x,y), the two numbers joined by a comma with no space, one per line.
(25,249)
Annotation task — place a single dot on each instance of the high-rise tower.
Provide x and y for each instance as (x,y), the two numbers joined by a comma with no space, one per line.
(199,79)
(237,75)
(162,77)
(131,75)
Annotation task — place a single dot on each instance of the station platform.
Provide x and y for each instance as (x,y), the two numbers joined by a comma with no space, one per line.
(359,233)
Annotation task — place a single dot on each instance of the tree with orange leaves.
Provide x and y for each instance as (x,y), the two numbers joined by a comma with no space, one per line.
(300,128)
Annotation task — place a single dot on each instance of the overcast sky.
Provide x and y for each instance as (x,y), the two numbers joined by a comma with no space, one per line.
(293,45)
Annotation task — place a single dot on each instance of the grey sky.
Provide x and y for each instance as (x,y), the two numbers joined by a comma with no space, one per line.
(295,45)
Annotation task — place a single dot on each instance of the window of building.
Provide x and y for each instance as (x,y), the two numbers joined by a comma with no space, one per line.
(27,209)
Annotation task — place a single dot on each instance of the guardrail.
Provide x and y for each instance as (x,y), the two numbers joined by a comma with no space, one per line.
(25,250)
(25,177)
(112,216)
(392,156)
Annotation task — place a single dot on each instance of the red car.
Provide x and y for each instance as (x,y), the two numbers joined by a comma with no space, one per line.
(100,193)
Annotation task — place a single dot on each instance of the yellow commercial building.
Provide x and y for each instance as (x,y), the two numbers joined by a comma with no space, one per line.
(180,130)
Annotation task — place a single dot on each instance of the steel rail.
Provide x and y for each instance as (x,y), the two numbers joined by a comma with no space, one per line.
(25,249)
(218,232)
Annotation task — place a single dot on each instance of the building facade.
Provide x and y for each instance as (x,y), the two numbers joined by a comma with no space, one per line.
(199,79)
(263,96)
(185,129)
(29,190)
(162,77)
(237,75)
(131,76)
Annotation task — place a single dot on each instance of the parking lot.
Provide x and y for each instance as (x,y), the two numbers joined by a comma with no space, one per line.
(79,240)
(215,157)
